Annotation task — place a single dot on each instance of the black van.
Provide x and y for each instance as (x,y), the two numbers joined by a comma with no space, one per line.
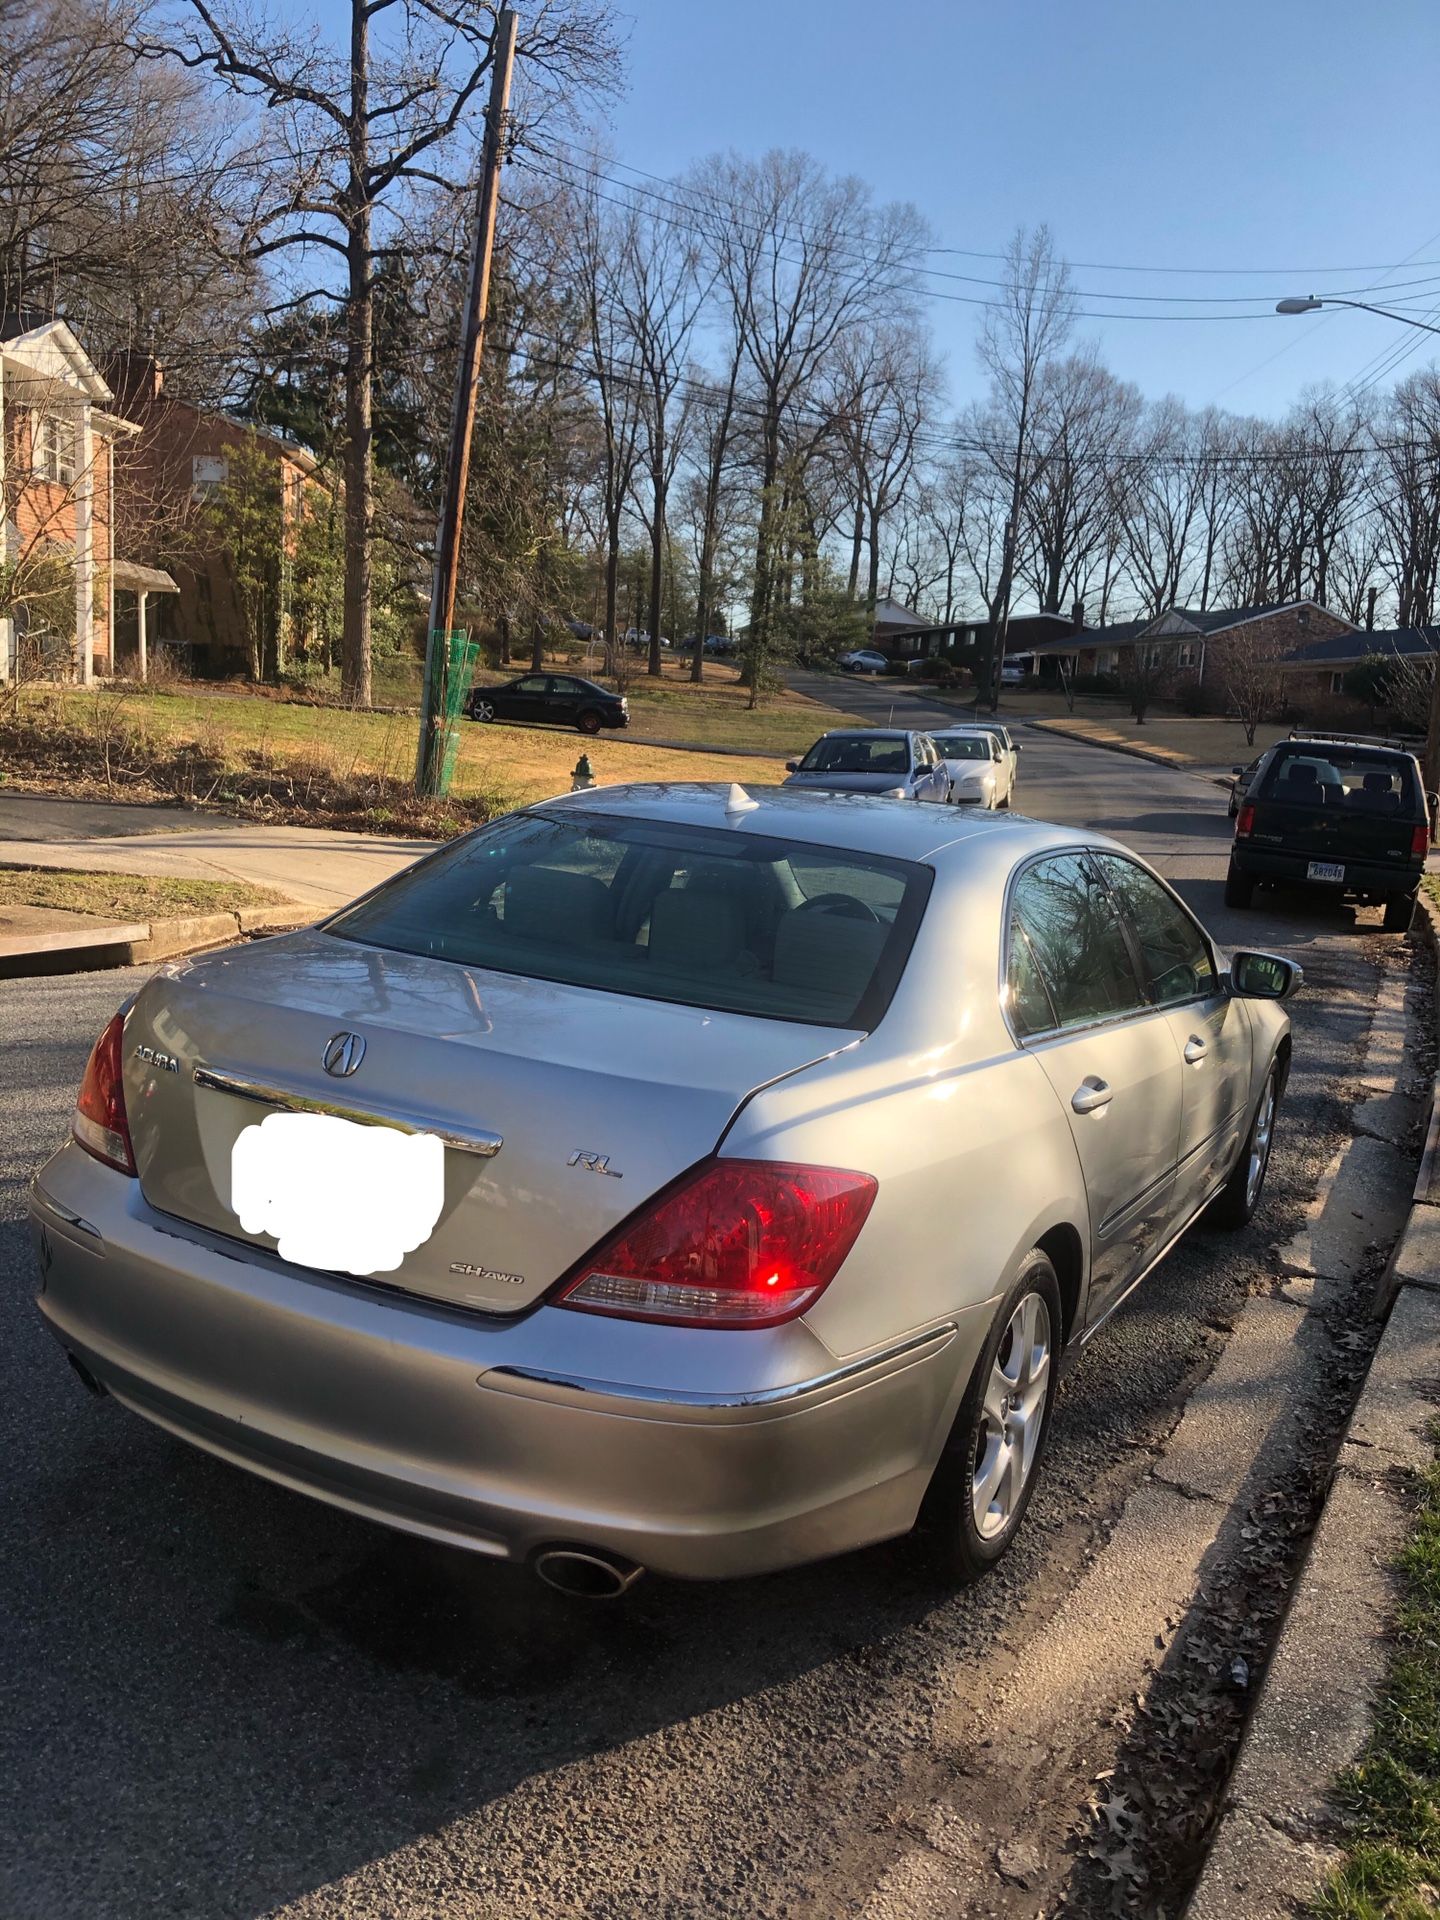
(1349,816)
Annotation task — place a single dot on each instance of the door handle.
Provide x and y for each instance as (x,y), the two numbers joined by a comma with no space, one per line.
(1195,1050)
(1091,1095)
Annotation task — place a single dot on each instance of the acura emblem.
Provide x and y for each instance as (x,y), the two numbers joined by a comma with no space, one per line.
(343,1054)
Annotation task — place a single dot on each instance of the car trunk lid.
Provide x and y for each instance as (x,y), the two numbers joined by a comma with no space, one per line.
(597,1099)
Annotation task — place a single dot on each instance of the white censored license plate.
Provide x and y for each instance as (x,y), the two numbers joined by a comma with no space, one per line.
(1325,870)
(337,1195)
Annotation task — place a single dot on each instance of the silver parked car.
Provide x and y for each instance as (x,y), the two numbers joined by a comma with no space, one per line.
(894,761)
(663,1176)
(980,772)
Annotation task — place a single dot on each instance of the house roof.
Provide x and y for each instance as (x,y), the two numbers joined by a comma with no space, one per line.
(1175,622)
(1349,649)
(890,613)
(48,351)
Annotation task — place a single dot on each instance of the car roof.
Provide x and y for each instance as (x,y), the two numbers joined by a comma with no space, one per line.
(871,733)
(864,823)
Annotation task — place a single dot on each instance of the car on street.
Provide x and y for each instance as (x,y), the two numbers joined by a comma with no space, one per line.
(864,660)
(977,766)
(1016,669)
(554,699)
(1345,816)
(663,1176)
(894,761)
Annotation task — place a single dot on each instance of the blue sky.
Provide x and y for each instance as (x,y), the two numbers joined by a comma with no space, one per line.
(1273,134)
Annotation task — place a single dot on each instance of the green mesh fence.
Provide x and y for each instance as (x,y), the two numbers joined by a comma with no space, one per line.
(458,654)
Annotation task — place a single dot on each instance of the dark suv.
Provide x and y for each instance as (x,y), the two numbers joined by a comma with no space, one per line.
(1349,816)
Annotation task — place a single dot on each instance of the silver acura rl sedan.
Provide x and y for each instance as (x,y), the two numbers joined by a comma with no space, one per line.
(663,1176)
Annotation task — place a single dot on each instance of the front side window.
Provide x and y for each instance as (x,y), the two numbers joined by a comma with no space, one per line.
(1070,917)
(661,911)
(1176,955)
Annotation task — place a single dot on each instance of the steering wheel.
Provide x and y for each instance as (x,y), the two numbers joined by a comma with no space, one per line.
(844,906)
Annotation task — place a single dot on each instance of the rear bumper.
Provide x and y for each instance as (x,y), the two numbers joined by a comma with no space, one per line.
(1361,876)
(499,1437)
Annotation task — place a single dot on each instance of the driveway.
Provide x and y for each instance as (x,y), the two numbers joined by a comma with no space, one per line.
(221,1699)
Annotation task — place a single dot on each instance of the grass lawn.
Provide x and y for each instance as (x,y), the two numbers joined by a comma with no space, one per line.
(1206,741)
(506,765)
(129,896)
(1391,1800)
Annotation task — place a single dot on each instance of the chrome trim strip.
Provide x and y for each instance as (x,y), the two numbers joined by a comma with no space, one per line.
(474,1140)
(936,1339)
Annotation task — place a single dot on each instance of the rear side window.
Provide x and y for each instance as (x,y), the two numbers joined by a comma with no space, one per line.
(1353,780)
(660,911)
(1073,927)
(1175,953)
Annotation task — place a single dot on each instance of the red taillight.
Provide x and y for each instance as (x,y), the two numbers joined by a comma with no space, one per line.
(1420,844)
(1245,821)
(736,1243)
(98,1122)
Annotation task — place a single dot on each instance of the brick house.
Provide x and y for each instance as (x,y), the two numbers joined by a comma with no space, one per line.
(58,488)
(1318,669)
(184,456)
(1184,633)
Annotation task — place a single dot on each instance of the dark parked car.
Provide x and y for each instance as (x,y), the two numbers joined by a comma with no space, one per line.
(1346,815)
(558,699)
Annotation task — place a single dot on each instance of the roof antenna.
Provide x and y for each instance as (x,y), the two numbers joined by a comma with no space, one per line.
(739,801)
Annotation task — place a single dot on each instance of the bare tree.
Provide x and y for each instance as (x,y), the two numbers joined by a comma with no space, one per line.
(351,132)
(1024,332)
(806,262)
(662,293)
(1249,663)
(1083,423)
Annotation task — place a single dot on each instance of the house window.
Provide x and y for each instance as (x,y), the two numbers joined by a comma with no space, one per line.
(1337,683)
(1189,653)
(208,471)
(55,449)
(1153,656)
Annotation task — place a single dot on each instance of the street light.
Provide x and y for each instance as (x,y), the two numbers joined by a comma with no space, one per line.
(1310,303)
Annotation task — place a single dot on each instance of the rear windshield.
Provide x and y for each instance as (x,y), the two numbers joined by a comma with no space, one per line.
(963,746)
(1357,780)
(660,911)
(857,753)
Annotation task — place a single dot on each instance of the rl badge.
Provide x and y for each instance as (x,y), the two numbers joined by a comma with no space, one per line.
(337,1195)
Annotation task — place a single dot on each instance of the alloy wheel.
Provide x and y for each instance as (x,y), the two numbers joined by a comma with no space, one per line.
(1007,1436)
(483,710)
(1261,1136)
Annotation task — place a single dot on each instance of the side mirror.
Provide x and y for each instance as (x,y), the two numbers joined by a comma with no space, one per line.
(1264,976)
(1237,770)
(792,766)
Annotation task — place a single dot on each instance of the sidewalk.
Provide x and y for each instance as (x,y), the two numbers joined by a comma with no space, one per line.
(317,867)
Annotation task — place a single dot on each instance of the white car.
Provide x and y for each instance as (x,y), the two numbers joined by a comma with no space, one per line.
(981,771)
(864,660)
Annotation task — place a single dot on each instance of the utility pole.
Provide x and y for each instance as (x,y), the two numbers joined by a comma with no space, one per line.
(462,420)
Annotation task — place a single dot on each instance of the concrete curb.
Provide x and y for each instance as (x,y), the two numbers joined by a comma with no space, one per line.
(1278,1836)
(1156,758)
(139,944)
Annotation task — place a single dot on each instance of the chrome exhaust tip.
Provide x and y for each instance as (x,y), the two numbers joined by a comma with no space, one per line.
(586,1573)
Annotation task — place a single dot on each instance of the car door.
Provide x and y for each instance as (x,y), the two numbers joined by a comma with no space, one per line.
(1108,1054)
(930,781)
(1211,1029)
(563,704)
(526,698)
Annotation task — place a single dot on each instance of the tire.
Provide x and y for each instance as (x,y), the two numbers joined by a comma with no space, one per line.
(589,722)
(1399,913)
(1239,887)
(964,1546)
(1234,1206)
(482,710)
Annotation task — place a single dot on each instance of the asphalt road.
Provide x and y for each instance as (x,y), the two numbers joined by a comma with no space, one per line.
(221,1699)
